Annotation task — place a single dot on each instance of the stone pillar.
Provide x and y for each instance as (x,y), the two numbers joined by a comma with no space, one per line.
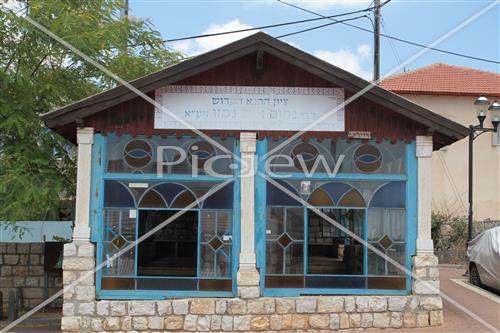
(85,139)
(79,256)
(424,165)
(247,279)
(425,272)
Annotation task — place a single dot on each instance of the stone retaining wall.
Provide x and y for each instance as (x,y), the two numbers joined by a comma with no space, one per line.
(21,267)
(280,313)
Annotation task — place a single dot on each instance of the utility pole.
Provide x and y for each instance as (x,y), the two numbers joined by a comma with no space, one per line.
(124,16)
(124,10)
(376,41)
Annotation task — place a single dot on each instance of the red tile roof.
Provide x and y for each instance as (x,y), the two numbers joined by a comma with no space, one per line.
(443,79)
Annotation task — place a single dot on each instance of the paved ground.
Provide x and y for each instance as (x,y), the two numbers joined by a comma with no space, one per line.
(455,320)
(40,322)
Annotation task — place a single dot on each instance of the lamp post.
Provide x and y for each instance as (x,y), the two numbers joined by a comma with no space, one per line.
(482,105)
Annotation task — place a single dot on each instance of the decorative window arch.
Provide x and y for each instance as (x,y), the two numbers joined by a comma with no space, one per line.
(336,194)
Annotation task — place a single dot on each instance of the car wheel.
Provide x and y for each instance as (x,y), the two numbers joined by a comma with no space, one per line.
(474,275)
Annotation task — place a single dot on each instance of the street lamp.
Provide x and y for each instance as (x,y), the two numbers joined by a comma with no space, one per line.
(482,105)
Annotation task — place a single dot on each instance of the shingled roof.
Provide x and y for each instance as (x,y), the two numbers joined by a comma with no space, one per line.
(443,79)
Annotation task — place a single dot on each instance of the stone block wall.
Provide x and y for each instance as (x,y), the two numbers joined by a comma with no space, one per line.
(21,267)
(259,314)
(249,312)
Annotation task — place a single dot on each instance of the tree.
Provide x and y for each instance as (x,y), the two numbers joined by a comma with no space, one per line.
(37,75)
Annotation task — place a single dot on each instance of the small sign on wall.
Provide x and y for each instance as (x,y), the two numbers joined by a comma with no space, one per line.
(359,134)
(250,108)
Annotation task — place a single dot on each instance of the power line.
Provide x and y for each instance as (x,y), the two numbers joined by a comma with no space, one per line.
(320,26)
(391,42)
(322,17)
(385,3)
(392,37)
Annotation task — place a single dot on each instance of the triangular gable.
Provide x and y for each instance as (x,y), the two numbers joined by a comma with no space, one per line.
(280,59)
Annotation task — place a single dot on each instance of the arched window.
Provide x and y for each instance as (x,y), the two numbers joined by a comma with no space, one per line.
(117,194)
(389,195)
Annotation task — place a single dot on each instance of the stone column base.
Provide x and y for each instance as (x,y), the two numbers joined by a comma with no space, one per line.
(79,283)
(425,284)
(425,272)
(247,281)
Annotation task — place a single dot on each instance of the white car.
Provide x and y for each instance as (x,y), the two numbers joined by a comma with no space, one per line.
(484,259)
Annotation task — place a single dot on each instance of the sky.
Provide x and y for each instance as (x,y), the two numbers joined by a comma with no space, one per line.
(422,21)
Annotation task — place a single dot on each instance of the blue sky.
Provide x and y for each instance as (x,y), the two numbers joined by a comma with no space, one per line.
(421,21)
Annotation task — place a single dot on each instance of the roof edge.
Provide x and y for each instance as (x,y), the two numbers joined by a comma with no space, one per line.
(244,46)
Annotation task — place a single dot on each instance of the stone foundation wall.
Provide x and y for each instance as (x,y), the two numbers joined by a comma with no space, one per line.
(21,267)
(280,313)
(249,312)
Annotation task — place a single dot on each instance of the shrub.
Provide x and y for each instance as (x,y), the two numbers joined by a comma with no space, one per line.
(449,231)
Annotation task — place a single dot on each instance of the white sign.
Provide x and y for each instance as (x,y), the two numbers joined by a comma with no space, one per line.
(359,134)
(250,108)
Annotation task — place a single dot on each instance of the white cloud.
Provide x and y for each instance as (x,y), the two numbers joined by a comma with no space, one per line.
(328,4)
(353,62)
(182,46)
(201,45)
(364,51)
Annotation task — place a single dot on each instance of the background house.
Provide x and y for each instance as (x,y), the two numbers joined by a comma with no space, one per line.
(451,91)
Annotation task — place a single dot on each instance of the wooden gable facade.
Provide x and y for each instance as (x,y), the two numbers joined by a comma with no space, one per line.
(258,60)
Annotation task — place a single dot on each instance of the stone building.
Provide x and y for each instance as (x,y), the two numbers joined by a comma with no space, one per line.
(451,91)
(253,187)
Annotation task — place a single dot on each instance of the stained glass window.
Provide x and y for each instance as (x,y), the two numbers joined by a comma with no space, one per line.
(119,234)
(191,251)
(389,195)
(387,233)
(117,194)
(367,158)
(184,199)
(171,155)
(216,243)
(152,199)
(277,196)
(179,249)
(285,240)
(352,198)
(320,198)
(316,156)
(334,240)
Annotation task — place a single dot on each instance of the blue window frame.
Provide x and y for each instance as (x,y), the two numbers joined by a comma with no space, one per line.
(129,199)
(376,181)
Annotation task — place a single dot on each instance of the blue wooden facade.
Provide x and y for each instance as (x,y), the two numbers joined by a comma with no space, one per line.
(101,174)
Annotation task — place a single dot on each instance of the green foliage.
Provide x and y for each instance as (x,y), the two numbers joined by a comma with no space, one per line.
(37,75)
(449,231)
